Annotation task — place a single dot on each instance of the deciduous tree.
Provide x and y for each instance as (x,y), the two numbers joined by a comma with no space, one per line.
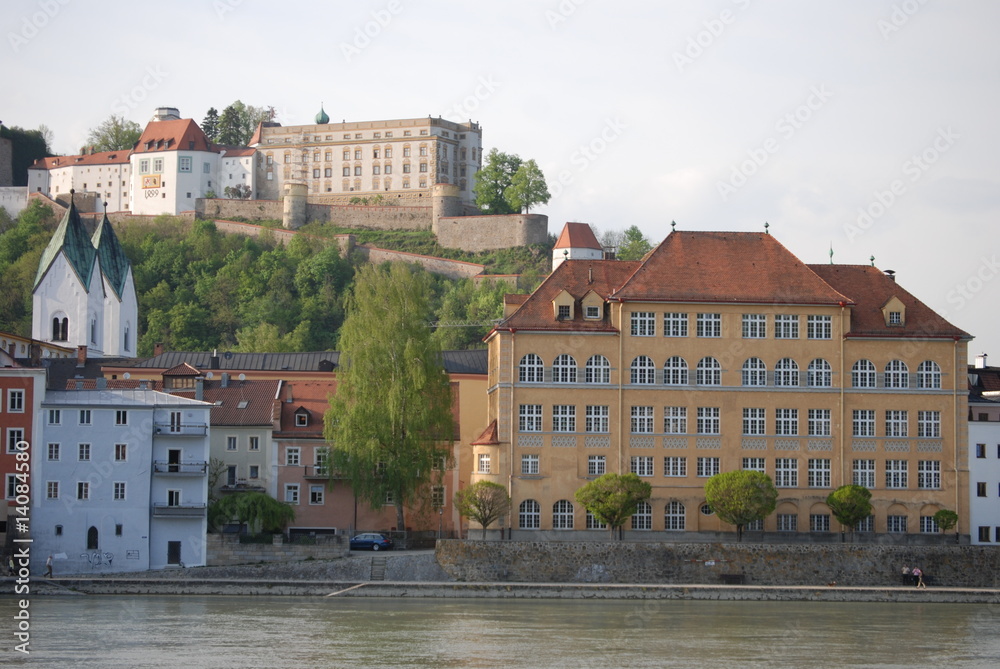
(115,133)
(850,504)
(493,180)
(634,245)
(238,122)
(613,498)
(260,512)
(527,188)
(946,519)
(391,416)
(484,502)
(741,497)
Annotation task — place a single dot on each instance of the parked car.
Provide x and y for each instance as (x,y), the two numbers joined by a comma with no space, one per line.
(371,540)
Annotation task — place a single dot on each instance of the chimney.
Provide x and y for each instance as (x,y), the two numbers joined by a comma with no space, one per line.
(225,380)
(213,362)
(81,356)
(981,361)
(891,273)
(143,384)
(158,348)
(79,384)
(100,383)
(13,349)
(199,389)
(34,353)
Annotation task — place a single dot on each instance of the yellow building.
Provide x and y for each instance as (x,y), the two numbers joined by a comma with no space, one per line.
(722,351)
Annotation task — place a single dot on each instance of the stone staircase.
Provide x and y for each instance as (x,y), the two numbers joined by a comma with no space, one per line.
(378,568)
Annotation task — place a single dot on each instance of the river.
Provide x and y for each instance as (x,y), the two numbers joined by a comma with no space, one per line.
(251,632)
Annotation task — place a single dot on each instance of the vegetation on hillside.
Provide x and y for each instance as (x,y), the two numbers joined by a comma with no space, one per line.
(200,289)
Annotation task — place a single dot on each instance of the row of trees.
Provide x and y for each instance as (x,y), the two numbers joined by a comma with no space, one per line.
(508,185)
(738,498)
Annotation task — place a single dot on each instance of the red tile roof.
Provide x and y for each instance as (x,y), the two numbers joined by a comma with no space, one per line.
(870,289)
(237,151)
(312,396)
(726,267)
(489,437)
(99,158)
(183,369)
(578,236)
(179,135)
(577,277)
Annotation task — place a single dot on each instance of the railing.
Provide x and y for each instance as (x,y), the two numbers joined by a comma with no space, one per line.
(179,510)
(242,485)
(180,468)
(319,472)
(180,430)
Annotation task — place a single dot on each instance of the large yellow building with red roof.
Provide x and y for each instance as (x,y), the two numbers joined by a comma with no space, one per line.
(722,351)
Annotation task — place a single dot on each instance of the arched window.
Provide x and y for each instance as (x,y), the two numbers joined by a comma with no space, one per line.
(754,372)
(564,369)
(529,515)
(126,344)
(863,374)
(530,370)
(819,374)
(709,372)
(562,515)
(673,516)
(60,329)
(786,373)
(928,375)
(643,370)
(642,519)
(598,370)
(92,539)
(675,371)
(897,374)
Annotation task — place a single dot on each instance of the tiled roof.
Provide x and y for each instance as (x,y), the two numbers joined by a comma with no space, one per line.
(237,151)
(984,379)
(577,277)
(292,362)
(99,158)
(870,289)
(578,236)
(726,267)
(489,436)
(313,396)
(177,135)
(241,403)
(183,369)
(114,262)
(71,239)
(62,373)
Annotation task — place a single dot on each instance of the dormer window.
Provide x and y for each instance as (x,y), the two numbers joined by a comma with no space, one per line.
(593,312)
(894,312)
(563,312)
(302,419)
(895,318)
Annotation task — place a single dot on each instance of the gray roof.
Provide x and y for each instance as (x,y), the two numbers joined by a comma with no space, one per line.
(119,397)
(466,362)
(292,362)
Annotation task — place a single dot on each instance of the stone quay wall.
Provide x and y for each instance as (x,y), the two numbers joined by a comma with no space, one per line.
(223,550)
(706,563)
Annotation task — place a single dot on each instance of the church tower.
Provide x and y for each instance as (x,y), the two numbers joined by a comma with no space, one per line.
(84,293)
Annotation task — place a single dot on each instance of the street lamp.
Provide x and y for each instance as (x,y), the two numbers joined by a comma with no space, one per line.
(440,522)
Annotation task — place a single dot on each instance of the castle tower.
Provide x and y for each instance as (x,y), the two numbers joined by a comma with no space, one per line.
(293,212)
(444,203)
(576,242)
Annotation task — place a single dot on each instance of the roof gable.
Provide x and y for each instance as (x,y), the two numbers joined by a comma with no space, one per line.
(114,262)
(726,267)
(178,135)
(70,239)
(578,236)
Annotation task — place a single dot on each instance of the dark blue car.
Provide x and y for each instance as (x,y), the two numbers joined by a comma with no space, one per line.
(371,540)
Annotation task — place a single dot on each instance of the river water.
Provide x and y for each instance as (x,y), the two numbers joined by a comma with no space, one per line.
(251,632)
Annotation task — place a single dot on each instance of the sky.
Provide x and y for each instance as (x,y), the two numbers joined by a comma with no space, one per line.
(868,127)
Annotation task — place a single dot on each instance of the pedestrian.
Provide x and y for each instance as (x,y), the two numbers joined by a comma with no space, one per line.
(10,565)
(918,576)
(48,566)
(907,579)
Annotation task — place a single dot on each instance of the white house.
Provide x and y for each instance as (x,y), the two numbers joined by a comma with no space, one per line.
(107,173)
(576,242)
(984,453)
(120,481)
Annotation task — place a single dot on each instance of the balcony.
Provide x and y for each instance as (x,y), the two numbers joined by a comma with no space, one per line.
(243,485)
(319,473)
(180,468)
(180,430)
(179,510)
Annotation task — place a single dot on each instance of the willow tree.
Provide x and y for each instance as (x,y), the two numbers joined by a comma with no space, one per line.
(390,420)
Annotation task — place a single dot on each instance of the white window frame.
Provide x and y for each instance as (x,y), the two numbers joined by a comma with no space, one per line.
(929,474)
(643,323)
(484,463)
(597,419)
(597,465)
(864,374)
(675,420)
(529,418)
(786,373)
(819,423)
(119,491)
(863,473)
(675,371)
(316,495)
(754,421)
(530,369)
(754,326)
(819,374)
(641,465)
(786,473)
(819,472)
(709,325)
(15,400)
(642,371)
(708,466)
(292,493)
(642,519)
(755,465)
(529,515)
(564,369)
(863,423)
(675,324)
(896,375)
(928,375)
(897,423)
(530,464)
(642,420)
(293,456)
(819,327)
(598,370)
(708,372)
(709,420)
(786,326)
(929,424)
(675,466)
(754,372)
(896,474)
(786,422)
(564,418)
(674,517)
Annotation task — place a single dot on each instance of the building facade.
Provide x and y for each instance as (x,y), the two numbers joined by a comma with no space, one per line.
(401,157)
(21,392)
(106,173)
(717,352)
(120,480)
(984,453)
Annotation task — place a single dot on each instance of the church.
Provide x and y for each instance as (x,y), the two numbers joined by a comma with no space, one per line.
(84,293)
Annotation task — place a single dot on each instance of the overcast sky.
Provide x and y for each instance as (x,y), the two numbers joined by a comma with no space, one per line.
(871,126)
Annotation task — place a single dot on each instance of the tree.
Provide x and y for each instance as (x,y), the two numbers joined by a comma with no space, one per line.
(237,192)
(741,497)
(210,124)
(484,502)
(633,245)
(26,146)
(493,180)
(238,122)
(850,504)
(613,498)
(115,133)
(391,416)
(946,519)
(527,188)
(260,512)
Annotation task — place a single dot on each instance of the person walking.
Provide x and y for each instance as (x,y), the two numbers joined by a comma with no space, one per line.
(48,566)
(10,565)
(918,576)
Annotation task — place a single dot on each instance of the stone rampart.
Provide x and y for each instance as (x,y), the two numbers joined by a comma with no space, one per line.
(753,564)
(486,233)
(223,550)
(453,269)
(371,217)
(13,199)
(252,210)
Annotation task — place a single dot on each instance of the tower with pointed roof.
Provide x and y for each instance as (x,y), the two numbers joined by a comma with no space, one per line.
(576,242)
(84,293)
